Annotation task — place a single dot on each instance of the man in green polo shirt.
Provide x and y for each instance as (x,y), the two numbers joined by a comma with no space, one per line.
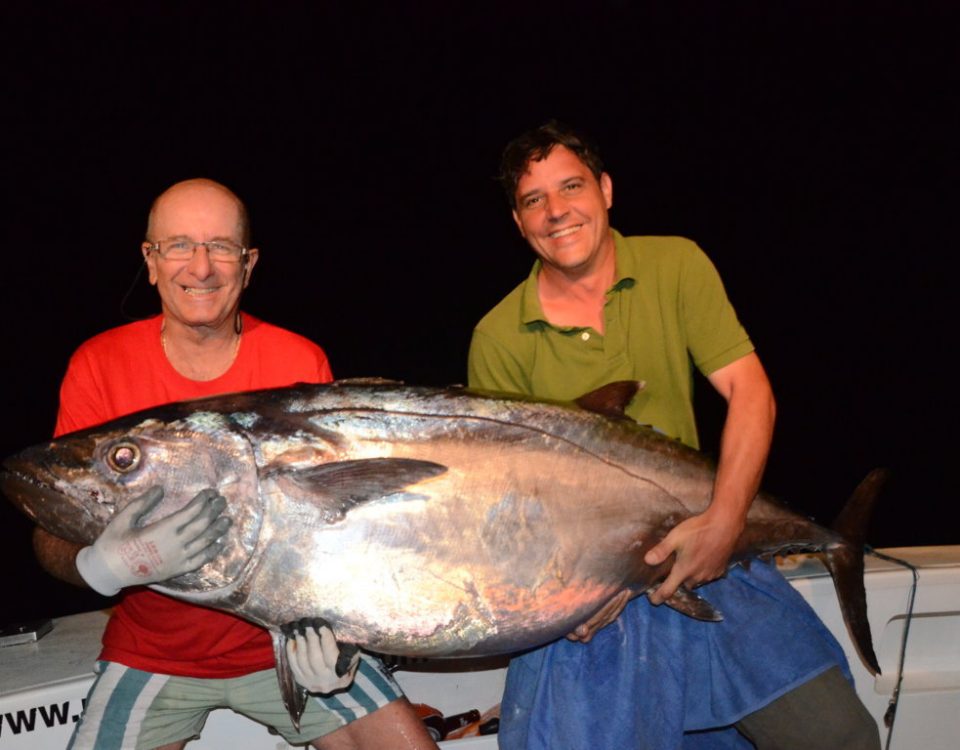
(599,307)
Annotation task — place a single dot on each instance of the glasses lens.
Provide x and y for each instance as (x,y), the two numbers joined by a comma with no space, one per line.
(224,250)
(183,249)
(176,249)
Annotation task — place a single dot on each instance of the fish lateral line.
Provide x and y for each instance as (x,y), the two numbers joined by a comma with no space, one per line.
(609,401)
(517,426)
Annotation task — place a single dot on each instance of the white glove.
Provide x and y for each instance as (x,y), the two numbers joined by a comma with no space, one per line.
(128,553)
(312,652)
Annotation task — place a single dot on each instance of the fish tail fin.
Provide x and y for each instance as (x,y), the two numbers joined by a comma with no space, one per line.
(844,560)
(853,520)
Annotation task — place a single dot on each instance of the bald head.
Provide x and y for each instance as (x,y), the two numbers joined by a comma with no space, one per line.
(198,190)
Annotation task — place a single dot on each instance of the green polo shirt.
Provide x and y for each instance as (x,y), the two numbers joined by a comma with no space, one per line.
(666,313)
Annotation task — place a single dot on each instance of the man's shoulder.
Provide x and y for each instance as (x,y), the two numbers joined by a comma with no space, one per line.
(664,258)
(280,356)
(260,330)
(121,336)
(659,246)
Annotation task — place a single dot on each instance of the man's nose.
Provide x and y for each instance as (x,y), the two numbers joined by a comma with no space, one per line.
(556,207)
(200,264)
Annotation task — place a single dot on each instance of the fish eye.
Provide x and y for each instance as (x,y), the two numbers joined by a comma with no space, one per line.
(124,457)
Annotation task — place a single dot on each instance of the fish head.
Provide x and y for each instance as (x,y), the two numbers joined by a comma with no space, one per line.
(73,485)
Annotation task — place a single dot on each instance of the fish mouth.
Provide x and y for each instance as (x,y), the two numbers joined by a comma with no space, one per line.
(39,501)
(15,483)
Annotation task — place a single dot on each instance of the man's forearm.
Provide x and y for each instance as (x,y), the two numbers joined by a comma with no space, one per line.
(744,444)
(57,556)
(744,449)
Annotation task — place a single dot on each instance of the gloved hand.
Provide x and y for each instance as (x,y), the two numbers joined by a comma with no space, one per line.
(313,653)
(128,553)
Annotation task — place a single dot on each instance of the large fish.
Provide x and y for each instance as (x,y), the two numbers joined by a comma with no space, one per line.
(418,521)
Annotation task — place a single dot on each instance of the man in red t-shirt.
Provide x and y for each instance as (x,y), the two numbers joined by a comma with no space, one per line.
(165,664)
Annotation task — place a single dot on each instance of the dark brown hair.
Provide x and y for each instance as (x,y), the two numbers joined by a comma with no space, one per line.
(536,145)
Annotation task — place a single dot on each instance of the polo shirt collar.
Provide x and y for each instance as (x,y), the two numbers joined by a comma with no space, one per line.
(532,312)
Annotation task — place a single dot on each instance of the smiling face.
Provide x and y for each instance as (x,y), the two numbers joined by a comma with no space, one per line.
(562,211)
(199,292)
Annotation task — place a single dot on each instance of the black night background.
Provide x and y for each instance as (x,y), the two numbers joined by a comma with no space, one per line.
(809,148)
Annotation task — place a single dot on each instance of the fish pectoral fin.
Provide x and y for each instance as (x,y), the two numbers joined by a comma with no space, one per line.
(293,694)
(693,605)
(343,485)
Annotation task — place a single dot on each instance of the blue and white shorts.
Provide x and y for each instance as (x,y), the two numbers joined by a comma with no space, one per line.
(128,709)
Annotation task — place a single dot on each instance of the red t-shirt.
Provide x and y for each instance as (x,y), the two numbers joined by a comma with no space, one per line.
(124,370)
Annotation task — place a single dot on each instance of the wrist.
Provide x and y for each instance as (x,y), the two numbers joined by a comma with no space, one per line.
(95,572)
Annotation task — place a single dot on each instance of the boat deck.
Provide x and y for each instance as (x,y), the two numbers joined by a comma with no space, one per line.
(42,683)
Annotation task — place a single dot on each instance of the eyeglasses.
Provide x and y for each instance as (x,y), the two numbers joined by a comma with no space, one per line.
(182,248)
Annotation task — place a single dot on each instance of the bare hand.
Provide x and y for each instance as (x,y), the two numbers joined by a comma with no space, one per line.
(702,544)
(610,612)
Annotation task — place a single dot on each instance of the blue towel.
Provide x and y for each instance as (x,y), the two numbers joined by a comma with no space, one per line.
(655,679)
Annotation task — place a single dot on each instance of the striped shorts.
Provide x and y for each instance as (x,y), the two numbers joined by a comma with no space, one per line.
(128,709)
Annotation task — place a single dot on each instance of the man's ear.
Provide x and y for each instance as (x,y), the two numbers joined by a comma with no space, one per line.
(516,219)
(253,254)
(606,187)
(150,259)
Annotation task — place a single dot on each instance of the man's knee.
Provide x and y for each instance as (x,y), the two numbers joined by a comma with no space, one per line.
(394,725)
(824,712)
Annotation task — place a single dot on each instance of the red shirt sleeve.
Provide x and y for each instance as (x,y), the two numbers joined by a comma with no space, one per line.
(81,397)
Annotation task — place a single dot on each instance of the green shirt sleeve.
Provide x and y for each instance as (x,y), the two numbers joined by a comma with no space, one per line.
(714,335)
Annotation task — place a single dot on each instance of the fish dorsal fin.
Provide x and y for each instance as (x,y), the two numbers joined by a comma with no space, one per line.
(611,400)
(342,485)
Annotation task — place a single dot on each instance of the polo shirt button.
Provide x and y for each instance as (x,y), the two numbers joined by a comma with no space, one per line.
(585,335)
